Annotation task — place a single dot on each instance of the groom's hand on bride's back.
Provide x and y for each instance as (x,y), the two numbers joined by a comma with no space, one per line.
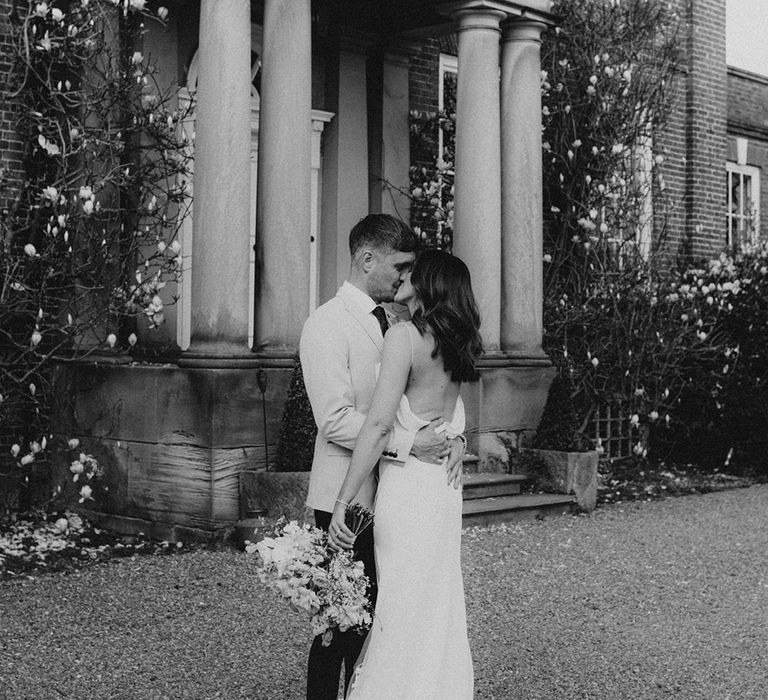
(430,446)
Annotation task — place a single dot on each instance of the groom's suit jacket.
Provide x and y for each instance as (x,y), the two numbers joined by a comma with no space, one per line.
(340,347)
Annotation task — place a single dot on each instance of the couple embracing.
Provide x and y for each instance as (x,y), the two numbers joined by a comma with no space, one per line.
(390,420)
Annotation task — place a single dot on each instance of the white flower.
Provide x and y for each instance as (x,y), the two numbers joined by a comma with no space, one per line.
(111,340)
(590,90)
(30,250)
(85,493)
(653,415)
(57,15)
(634,420)
(88,207)
(593,80)
(161,246)
(132,339)
(27,459)
(137,58)
(595,362)
(51,193)
(86,192)
(162,13)
(15,449)
(73,443)
(36,338)
(617,148)
(547,258)
(138,4)
(175,246)
(41,9)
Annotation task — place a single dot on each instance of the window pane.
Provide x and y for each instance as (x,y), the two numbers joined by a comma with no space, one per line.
(735,193)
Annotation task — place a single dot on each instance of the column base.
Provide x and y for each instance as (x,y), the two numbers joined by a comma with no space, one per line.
(172,441)
(504,407)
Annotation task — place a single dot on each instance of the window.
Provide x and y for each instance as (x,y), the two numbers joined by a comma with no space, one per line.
(743,204)
(446,96)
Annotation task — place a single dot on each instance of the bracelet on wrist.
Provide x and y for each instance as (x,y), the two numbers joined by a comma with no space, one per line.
(344,503)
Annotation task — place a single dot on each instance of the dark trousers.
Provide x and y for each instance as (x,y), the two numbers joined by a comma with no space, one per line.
(324,667)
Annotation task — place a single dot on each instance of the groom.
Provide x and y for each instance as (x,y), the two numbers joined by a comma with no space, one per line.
(340,347)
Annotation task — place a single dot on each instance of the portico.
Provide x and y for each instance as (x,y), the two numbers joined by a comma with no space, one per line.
(332,125)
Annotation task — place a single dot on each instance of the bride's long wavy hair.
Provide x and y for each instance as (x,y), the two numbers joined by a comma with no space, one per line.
(448,311)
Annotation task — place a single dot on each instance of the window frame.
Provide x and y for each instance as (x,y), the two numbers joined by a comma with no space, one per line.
(753,172)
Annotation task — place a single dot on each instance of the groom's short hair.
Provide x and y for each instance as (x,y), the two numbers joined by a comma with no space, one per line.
(382,231)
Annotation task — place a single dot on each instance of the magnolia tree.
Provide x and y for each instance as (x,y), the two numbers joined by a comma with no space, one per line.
(670,349)
(92,238)
(607,73)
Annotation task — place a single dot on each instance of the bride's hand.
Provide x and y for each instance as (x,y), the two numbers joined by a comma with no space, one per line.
(455,463)
(339,535)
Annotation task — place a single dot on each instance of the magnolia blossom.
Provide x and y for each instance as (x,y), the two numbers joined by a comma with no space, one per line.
(653,415)
(73,443)
(595,362)
(36,337)
(547,258)
(51,193)
(41,9)
(86,493)
(138,4)
(15,449)
(111,340)
(57,15)
(30,250)
(634,420)
(162,13)
(132,339)
(88,207)
(176,246)
(77,468)
(27,459)
(137,58)
(62,525)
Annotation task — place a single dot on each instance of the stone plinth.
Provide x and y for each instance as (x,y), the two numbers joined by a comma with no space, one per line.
(565,472)
(172,441)
(275,494)
(503,407)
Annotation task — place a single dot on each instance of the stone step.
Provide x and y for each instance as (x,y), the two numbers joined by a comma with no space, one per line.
(486,484)
(486,511)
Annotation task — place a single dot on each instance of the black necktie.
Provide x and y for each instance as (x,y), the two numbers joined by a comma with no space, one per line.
(381,317)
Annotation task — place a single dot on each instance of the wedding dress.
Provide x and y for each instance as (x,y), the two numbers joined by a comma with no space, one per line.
(417,648)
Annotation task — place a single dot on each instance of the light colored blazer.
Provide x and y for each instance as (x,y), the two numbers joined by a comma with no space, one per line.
(340,347)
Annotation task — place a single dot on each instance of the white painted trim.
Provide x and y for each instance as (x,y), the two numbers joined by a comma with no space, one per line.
(753,173)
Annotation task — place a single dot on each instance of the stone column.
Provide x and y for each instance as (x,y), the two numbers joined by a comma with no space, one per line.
(521,182)
(345,165)
(283,213)
(219,323)
(477,219)
(395,138)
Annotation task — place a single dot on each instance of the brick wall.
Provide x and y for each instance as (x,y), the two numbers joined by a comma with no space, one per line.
(11,171)
(748,118)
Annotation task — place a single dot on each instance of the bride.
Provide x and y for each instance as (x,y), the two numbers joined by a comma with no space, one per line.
(417,648)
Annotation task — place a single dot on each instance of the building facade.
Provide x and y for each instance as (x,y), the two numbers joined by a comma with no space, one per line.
(300,127)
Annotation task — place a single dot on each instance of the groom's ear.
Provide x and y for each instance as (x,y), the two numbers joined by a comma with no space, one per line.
(367,260)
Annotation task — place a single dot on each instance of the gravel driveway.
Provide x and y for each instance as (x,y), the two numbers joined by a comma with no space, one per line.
(667,599)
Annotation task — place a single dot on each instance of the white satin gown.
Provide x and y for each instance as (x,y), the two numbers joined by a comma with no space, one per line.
(417,648)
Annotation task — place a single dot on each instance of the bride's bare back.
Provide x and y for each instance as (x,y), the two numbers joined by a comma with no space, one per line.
(430,391)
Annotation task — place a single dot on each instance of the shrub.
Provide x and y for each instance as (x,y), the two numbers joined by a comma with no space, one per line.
(297,429)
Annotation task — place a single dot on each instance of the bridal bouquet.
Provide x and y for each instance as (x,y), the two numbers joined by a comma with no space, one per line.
(331,586)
